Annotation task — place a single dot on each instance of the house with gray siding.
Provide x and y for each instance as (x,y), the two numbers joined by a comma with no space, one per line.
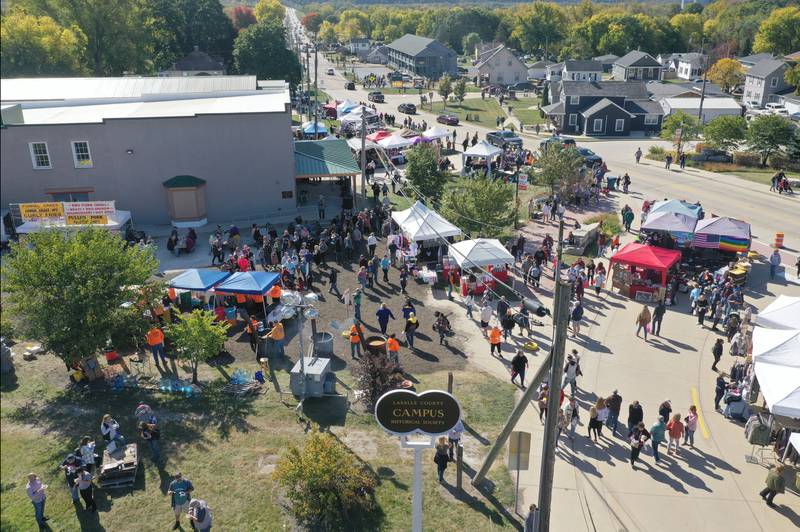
(502,67)
(422,56)
(81,139)
(636,65)
(764,81)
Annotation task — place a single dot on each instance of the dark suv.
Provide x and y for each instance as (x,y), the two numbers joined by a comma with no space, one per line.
(503,138)
(560,141)
(376,97)
(407,108)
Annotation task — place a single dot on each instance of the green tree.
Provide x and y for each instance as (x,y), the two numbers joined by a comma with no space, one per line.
(326,485)
(269,11)
(481,206)
(793,147)
(460,89)
(39,46)
(727,73)
(541,25)
(261,50)
(470,42)
(725,132)
(690,28)
(558,168)
(444,88)
(780,33)
(66,291)
(327,32)
(767,134)
(197,337)
(792,77)
(688,125)
(422,171)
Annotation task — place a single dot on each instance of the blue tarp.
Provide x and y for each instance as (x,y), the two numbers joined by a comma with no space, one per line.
(309,129)
(250,283)
(198,280)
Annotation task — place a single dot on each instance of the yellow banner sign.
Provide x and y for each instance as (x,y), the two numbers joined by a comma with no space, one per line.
(87,219)
(40,211)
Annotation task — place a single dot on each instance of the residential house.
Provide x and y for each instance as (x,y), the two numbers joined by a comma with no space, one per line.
(538,70)
(712,107)
(764,81)
(379,55)
(606,61)
(484,49)
(359,46)
(185,150)
(553,72)
(581,71)
(793,57)
(749,61)
(603,108)
(502,67)
(659,91)
(691,65)
(636,65)
(197,63)
(422,56)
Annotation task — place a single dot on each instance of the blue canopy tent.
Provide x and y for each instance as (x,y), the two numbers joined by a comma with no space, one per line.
(249,283)
(198,280)
(676,206)
(312,129)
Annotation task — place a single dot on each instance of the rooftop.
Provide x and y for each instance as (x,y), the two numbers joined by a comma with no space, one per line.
(755,58)
(198,60)
(414,45)
(708,103)
(324,158)
(582,66)
(609,58)
(765,67)
(599,106)
(637,58)
(634,90)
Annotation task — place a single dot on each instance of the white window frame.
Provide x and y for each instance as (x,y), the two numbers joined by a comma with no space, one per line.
(619,125)
(773,82)
(573,119)
(78,163)
(597,125)
(33,156)
(574,100)
(650,120)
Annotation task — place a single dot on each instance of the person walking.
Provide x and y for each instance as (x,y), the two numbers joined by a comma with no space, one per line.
(333,277)
(635,415)
(412,324)
(643,321)
(658,317)
(665,410)
(384,314)
(638,155)
(572,370)
(403,280)
(690,426)
(658,436)
(495,339)
(602,414)
(357,295)
(716,351)
(469,304)
(719,391)
(179,490)
(541,400)
(442,457)
(638,437)
(155,339)
(594,424)
(614,404)
(385,263)
(675,430)
(701,305)
(454,438)
(393,349)
(576,315)
(682,160)
(486,317)
(572,415)
(355,341)
(518,366)
(775,484)
(86,488)
(532,520)
(36,492)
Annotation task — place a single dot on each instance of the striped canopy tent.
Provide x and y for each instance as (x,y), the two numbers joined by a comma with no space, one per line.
(725,234)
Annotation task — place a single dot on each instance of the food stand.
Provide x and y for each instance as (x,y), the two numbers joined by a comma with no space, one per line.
(676,206)
(486,253)
(679,226)
(196,282)
(481,150)
(422,228)
(640,272)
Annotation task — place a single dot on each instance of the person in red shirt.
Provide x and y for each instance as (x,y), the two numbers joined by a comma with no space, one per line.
(243,263)
(155,339)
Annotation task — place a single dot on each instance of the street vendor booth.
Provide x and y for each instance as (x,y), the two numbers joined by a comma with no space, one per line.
(678,226)
(641,271)
(314,130)
(378,135)
(424,230)
(677,206)
(436,132)
(194,281)
(345,107)
(725,234)
(776,354)
(481,151)
(244,285)
(486,253)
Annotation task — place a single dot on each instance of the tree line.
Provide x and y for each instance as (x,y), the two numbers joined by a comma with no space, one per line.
(112,37)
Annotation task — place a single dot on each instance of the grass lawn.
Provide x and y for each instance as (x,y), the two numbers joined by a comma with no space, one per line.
(483,112)
(521,110)
(759,175)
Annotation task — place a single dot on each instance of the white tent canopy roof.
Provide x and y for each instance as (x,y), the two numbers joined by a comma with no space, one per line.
(436,132)
(780,386)
(395,141)
(480,252)
(362,110)
(355,144)
(783,313)
(483,149)
(777,346)
(420,223)
(346,106)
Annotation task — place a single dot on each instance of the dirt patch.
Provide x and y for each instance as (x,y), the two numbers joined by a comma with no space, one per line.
(361,443)
(266,464)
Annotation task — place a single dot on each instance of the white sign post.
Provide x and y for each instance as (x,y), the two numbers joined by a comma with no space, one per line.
(416,497)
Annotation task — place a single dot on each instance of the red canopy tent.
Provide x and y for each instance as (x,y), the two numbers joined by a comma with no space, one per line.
(648,257)
(378,135)
(330,109)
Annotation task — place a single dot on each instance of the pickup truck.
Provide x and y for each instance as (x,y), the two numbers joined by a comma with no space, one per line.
(503,138)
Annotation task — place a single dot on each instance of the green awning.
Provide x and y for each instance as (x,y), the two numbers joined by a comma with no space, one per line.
(184,181)
(324,158)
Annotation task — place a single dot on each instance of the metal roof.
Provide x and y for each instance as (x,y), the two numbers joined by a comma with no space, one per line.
(765,67)
(637,58)
(324,158)
(708,103)
(414,45)
(57,89)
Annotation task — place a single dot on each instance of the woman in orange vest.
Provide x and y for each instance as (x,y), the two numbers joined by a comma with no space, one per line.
(393,347)
(155,339)
(495,338)
(277,335)
(252,330)
(275,293)
(355,341)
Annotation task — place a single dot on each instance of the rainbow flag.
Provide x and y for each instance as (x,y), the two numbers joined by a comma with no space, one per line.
(733,244)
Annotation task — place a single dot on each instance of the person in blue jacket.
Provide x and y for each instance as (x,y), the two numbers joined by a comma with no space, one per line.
(384,314)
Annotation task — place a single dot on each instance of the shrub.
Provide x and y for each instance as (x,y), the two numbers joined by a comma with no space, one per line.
(746,158)
(609,223)
(326,485)
(656,153)
(719,167)
(780,160)
(7,329)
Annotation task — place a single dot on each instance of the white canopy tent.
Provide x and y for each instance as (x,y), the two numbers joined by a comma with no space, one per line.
(783,313)
(362,110)
(355,144)
(480,252)
(777,346)
(420,223)
(436,132)
(780,386)
(395,142)
(345,107)
(481,150)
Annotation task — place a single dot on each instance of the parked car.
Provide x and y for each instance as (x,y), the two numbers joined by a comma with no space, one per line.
(503,138)
(329,72)
(450,120)
(560,141)
(350,86)
(521,86)
(590,157)
(710,155)
(407,108)
(376,97)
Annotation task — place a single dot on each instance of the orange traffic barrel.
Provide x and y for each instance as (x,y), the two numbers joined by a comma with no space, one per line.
(778,240)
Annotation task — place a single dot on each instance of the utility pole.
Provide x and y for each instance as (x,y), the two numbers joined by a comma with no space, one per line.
(363,160)
(316,89)
(308,82)
(530,391)
(703,90)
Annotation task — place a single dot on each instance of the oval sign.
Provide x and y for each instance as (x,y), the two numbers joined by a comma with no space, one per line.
(431,412)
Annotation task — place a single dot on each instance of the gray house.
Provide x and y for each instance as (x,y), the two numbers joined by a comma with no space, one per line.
(691,65)
(502,67)
(232,151)
(636,65)
(763,80)
(606,108)
(749,61)
(378,55)
(422,56)
(607,61)
(359,46)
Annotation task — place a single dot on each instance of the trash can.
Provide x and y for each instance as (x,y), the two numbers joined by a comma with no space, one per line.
(323,344)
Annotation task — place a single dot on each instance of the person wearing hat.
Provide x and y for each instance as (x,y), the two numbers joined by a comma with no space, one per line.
(775,484)
(199,515)
(70,466)
(36,493)
(179,490)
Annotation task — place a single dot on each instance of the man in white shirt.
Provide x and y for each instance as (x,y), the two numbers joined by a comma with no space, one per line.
(36,492)
(454,436)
